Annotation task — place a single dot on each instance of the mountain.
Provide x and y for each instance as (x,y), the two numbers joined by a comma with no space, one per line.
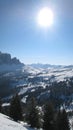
(42,81)
(9,64)
(44,66)
(7,124)
(38,82)
(5,58)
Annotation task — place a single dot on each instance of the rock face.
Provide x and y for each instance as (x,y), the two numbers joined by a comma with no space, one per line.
(9,64)
(6,59)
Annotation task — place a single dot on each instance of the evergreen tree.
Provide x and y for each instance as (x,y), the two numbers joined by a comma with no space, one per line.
(58,121)
(63,122)
(48,123)
(33,116)
(15,108)
(0,105)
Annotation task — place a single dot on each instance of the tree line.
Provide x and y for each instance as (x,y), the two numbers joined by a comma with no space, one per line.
(47,118)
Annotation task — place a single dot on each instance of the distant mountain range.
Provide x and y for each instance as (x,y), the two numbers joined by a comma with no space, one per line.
(44,66)
(47,66)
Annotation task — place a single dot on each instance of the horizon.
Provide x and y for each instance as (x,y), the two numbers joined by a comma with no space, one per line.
(36,63)
(22,36)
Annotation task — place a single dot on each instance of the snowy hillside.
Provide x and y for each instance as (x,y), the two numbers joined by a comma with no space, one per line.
(55,73)
(7,124)
(28,80)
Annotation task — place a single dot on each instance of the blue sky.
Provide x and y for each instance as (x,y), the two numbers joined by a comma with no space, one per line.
(21,36)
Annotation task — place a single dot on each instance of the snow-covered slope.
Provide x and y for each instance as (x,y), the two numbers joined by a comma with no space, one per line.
(56,73)
(7,124)
(28,79)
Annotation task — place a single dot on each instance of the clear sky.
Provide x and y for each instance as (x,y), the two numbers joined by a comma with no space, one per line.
(21,36)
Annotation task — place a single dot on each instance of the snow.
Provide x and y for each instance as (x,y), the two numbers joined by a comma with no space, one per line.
(24,90)
(7,124)
(55,73)
(30,88)
(30,70)
(58,74)
(24,99)
(5,104)
(71,123)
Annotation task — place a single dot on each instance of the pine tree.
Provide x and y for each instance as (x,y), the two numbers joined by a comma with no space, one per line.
(15,108)
(0,105)
(63,122)
(48,123)
(33,117)
(58,121)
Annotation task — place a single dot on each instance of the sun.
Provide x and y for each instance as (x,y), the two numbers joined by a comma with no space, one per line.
(45,17)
